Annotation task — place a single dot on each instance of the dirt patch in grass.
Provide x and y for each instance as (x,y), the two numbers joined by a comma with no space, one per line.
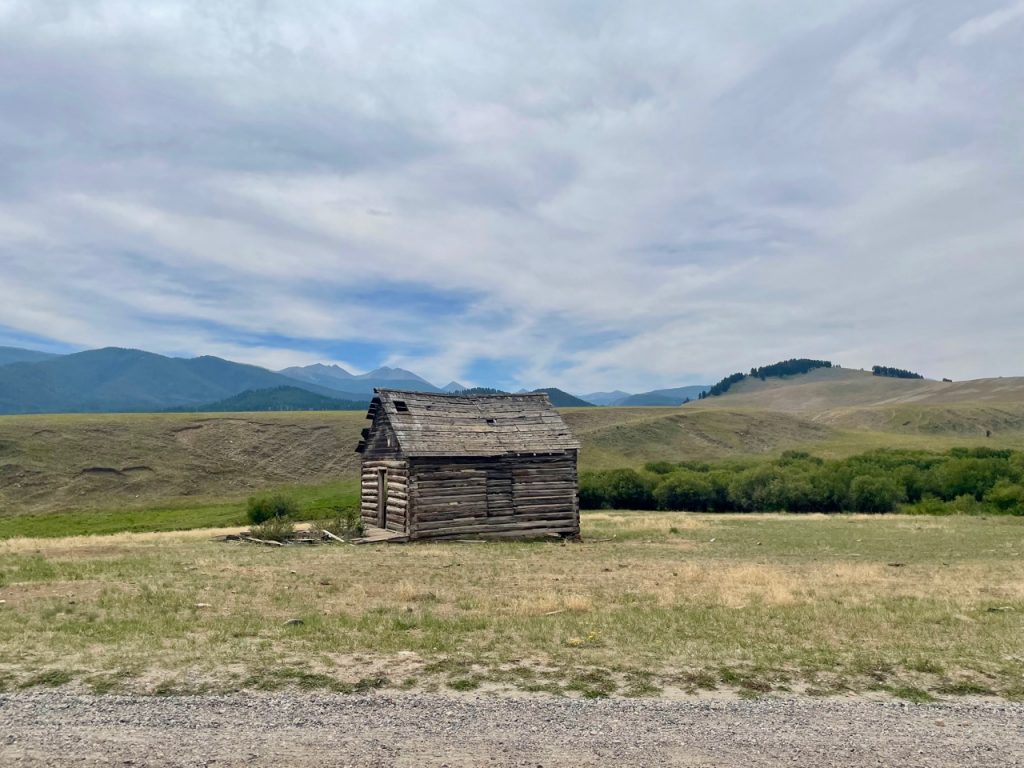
(86,549)
(71,593)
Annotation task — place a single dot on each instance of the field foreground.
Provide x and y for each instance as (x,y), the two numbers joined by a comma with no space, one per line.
(432,730)
(668,604)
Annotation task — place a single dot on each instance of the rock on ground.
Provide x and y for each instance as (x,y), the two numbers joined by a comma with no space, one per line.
(54,728)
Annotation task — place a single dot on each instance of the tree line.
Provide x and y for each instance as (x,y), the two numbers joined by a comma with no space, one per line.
(792,367)
(960,481)
(894,373)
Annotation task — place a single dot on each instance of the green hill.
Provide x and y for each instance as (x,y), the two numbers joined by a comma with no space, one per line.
(283,398)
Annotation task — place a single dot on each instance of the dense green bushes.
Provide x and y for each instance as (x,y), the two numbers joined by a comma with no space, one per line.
(960,481)
(617,489)
(259,509)
(271,517)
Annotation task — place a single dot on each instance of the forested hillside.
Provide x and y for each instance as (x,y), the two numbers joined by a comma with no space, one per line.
(792,367)
(114,379)
(284,398)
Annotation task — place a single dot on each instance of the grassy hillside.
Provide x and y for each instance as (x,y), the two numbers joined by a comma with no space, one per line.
(830,388)
(117,463)
(855,400)
(186,466)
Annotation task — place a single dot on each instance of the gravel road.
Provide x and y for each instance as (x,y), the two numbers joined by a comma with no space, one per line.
(55,728)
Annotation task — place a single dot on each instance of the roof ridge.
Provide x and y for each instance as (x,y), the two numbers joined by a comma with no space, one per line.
(439,424)
(388,390)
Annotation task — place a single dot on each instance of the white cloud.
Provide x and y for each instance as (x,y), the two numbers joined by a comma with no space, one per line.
(603,195)
(987,24)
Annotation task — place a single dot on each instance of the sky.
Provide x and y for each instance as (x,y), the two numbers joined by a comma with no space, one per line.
(583,194)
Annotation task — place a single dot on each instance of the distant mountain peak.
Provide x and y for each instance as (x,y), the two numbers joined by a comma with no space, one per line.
(118,379)
(453,386)
(605,398)
(336,377)
(387,373)
(332,368)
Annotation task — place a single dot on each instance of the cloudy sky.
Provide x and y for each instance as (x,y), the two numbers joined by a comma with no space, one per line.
(582,194)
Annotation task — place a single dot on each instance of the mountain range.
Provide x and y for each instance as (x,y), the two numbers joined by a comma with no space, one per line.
(113,379)
(282,398)
(665,397)
(337,378)
(17,355)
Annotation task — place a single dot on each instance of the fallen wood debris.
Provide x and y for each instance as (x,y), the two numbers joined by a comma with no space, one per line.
(309,537)
(267,542)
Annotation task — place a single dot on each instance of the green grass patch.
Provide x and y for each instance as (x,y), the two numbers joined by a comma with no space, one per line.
(468,683)
(592,684)
(313,502)
(51,678)
(964,688)
(99,522)
(910,693)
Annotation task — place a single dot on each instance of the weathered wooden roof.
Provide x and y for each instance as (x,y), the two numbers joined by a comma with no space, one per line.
(429,424)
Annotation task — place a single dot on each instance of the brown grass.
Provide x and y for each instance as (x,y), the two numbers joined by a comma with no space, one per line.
(840,602)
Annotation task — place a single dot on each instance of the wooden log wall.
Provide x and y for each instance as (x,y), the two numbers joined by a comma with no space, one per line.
(396,487)
(523,495)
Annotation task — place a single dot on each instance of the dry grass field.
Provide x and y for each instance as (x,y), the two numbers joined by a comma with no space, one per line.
(649,603)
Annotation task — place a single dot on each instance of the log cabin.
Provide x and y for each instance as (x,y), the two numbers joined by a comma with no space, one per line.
(438,466)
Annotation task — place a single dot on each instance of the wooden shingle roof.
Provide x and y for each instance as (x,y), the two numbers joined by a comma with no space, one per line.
(429,424)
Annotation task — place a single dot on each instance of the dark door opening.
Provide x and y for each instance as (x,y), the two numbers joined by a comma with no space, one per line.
(382,498)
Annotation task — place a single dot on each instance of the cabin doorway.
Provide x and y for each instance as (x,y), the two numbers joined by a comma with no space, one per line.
(382,498)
